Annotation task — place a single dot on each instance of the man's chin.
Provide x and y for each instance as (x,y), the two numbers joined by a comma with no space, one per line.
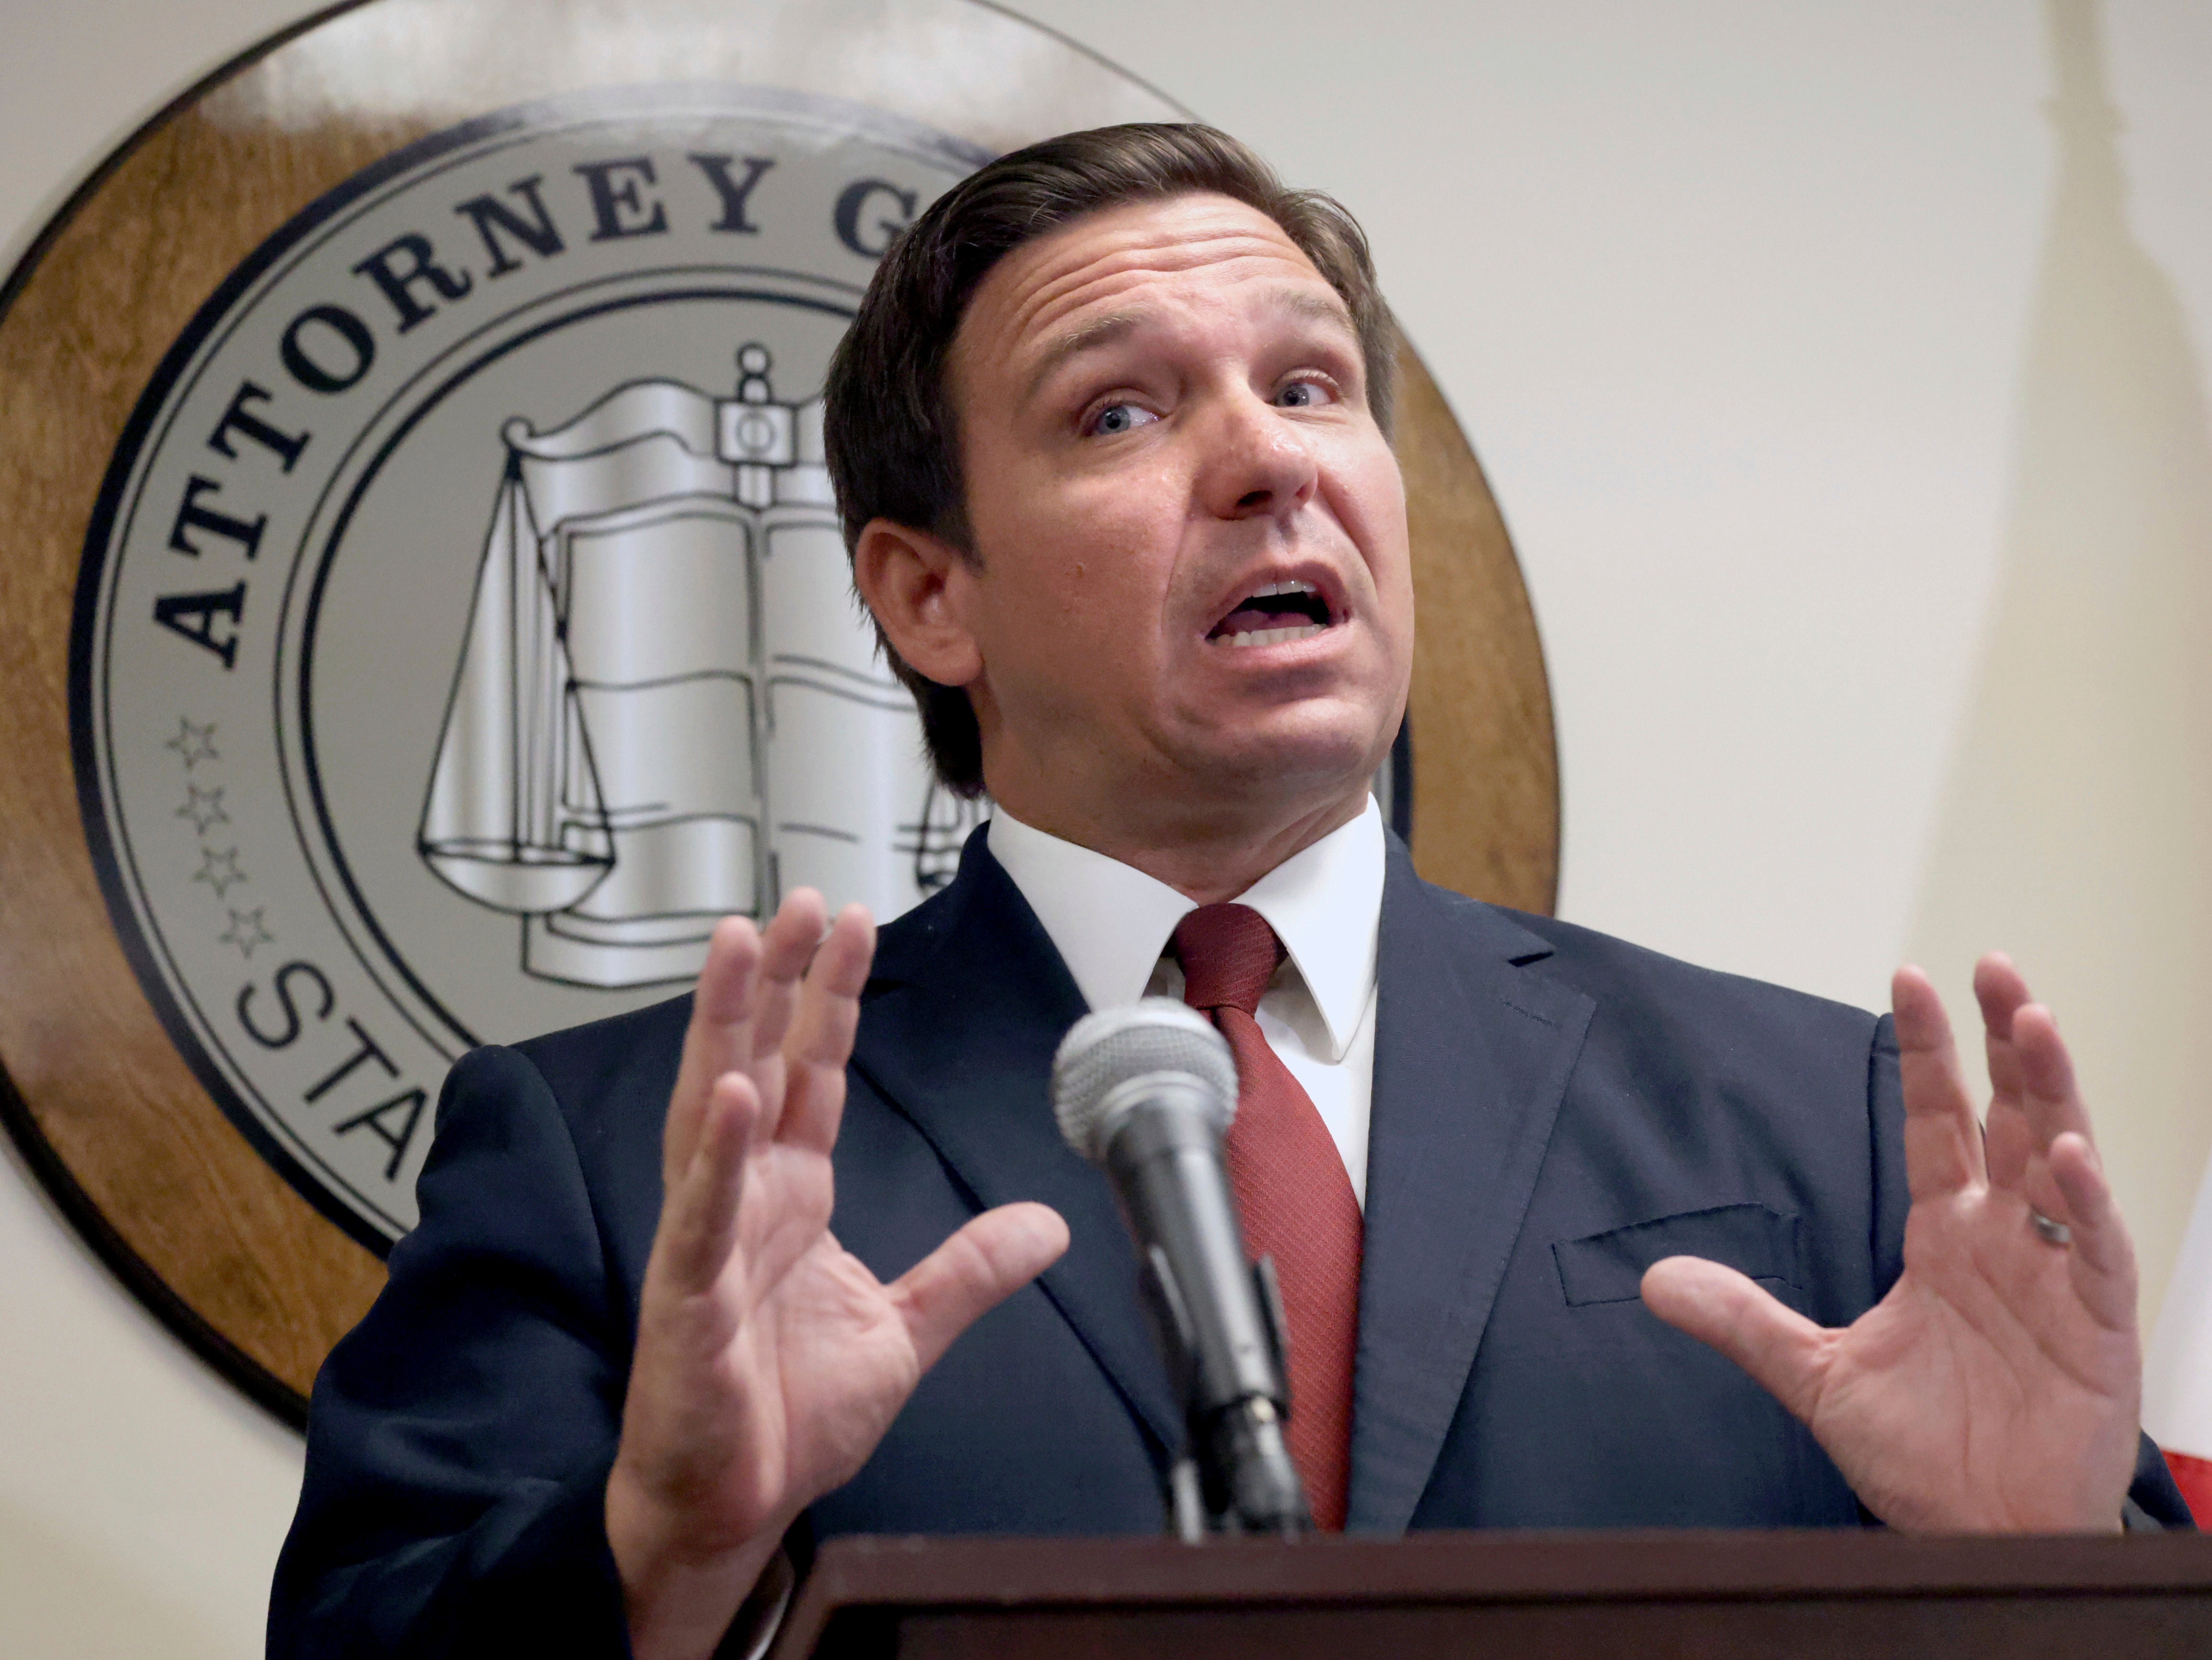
(1312,762)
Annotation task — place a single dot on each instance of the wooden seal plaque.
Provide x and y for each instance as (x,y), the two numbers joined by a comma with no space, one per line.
(427,605)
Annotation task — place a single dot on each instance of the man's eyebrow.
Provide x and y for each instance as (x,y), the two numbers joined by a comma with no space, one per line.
(1301,301)
(1084,337)
(1320,307)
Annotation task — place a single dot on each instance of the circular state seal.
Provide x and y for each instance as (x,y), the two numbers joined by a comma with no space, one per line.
(462,623)
(467,621)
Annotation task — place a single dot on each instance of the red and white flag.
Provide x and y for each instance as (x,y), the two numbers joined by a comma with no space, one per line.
(2178,1374)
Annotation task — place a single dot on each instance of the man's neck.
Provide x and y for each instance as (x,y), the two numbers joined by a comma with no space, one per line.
(1207,858)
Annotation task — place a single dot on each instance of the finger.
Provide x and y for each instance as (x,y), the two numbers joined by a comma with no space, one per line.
(787,947)
(2103,1255)
(2001,993)
(988,1260)
(719,1005)
(1942,1137)
(1785,1353)
(2051,1096)
(699,1218)
(741,1007)
(821,1037)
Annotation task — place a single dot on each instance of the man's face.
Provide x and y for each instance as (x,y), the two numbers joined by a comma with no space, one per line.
(1194,585)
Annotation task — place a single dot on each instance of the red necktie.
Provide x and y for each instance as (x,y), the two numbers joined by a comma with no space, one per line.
(1295,1199)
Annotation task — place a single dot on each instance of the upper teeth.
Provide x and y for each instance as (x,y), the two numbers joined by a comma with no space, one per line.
(1275,588)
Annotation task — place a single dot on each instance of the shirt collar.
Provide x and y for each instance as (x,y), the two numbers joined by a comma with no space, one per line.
(1111,922)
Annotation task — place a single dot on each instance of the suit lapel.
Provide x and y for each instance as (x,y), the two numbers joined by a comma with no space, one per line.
(1472,1056)
(968,1001)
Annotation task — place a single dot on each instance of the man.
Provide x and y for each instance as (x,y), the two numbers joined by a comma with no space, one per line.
(1110,439)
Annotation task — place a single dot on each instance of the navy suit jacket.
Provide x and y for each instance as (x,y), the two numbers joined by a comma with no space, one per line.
(1553,1111)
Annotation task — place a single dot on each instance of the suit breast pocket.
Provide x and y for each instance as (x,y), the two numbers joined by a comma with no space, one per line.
(1609,1267)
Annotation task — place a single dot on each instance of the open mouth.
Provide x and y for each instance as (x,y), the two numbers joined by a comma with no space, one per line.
(1273,615)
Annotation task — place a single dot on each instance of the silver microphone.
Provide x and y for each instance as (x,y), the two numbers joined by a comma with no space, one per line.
(1146,1093)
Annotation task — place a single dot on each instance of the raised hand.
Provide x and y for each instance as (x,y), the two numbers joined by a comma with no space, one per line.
(769,1361)
(1998,1386)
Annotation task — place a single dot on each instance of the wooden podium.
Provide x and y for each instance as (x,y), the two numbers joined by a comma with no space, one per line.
(1516,1597)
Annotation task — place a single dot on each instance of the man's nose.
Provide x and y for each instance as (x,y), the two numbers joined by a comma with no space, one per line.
(1259,464)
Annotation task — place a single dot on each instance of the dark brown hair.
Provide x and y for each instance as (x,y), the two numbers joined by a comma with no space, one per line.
(889,428)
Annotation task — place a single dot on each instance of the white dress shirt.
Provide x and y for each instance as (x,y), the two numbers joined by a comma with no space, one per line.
(1112,924)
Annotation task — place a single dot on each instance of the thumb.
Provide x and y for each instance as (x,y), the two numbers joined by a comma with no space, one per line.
(989,1259)
(1785,1353)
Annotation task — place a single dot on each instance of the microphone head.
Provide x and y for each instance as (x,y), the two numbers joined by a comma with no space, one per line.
(1115,1046)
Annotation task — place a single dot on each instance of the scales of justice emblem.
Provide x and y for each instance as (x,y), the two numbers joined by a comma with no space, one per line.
(670,706)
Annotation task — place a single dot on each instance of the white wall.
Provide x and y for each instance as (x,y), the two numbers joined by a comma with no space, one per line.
(1857,468)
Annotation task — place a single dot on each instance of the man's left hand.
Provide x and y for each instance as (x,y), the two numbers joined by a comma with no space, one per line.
(1998,1386)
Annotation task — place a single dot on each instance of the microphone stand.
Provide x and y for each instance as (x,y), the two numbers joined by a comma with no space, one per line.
(1233,1475)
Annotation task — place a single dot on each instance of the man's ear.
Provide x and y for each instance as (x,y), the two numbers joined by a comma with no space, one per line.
(919,586)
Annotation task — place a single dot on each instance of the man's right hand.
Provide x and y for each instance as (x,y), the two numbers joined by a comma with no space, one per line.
(770,1361)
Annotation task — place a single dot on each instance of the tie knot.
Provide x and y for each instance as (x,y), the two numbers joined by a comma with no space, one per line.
(1228,954)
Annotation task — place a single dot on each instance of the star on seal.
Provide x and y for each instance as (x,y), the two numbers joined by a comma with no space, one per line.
(195,743)
(203,807)
(219,870)
(246,931)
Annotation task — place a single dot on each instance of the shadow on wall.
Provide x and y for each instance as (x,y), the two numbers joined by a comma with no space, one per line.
(2075,827)
(68,1599)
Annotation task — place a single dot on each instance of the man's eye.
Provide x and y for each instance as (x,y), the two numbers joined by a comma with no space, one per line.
(1303,394)
(1121,418)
